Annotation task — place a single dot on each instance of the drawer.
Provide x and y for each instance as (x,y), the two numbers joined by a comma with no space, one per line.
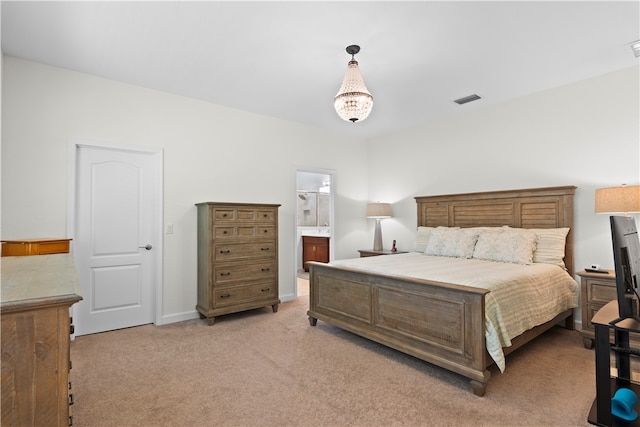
(226,214)
(233,251)
(592,309)
(265,215)
(244,214)
(317,241)
(231,295)
(229,273)
(601,291)
(227,231)
(53,247)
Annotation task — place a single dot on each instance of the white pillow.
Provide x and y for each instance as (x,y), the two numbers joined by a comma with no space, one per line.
(422,237)
(506,246)
(550,245)
(452,242)
(479,230)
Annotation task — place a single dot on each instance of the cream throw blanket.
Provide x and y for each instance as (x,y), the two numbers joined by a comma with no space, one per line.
(520,297)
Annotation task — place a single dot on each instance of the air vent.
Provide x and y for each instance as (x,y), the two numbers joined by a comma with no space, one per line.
(466,99)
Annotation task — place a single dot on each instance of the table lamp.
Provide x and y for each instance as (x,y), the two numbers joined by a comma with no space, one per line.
(623,199)
(378,211)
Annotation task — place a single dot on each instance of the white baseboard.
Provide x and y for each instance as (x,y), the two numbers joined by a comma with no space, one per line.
(191,315)
(287,298)
(179,317)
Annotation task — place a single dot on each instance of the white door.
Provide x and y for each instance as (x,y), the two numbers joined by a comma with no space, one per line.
(116,245)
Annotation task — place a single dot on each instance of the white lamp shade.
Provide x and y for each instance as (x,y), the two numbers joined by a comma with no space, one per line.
(379,210)
(622,199)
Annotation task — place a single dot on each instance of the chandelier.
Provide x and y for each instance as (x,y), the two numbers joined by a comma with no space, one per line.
(353,101)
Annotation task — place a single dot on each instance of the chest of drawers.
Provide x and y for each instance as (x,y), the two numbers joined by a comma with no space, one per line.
(36,295)
(237,258)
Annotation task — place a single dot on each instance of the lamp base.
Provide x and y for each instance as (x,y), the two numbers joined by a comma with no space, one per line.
(377,237)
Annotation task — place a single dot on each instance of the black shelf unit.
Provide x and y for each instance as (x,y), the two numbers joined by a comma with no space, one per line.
(605,320)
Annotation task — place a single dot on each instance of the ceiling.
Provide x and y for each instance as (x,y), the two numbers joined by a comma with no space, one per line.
(287,59)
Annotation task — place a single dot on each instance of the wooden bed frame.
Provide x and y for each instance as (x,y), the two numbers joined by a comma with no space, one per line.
(440,323)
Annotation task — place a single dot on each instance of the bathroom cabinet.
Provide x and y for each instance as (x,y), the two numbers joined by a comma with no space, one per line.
(314,248)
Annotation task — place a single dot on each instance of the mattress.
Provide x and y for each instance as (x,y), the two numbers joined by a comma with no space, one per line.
(520,298)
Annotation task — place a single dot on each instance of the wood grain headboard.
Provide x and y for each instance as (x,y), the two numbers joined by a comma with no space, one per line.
(550,207)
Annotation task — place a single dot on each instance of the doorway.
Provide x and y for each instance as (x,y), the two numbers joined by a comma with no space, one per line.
(117,231)
(315,218)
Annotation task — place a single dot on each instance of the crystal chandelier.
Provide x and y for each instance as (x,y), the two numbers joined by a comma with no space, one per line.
(353,101)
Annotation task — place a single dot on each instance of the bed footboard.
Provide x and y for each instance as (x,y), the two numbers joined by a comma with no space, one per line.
(440,323)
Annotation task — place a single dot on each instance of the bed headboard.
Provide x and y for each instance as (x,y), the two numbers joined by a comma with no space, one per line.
(550,207)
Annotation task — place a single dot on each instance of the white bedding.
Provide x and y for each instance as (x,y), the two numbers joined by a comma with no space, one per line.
(520,297)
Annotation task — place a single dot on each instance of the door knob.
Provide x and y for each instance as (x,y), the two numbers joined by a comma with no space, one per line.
(147,247)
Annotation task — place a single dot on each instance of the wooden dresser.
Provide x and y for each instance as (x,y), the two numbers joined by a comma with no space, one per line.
(237,258)
(37,292)
(314,248)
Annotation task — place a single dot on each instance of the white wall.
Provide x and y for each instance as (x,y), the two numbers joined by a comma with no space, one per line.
(585,134)
(211,153)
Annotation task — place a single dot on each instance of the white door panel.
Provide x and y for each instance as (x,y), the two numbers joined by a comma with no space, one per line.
(115,223)
(115,218)
(116,288)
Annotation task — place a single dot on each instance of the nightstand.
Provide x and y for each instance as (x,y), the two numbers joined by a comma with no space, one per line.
(597,289)
(371,252)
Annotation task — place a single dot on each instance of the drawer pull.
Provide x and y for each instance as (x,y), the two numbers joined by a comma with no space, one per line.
(265,215)
(265,249)
(224,232)
(226,251)
(72,329)
(265,289)
(70,399)
(225,296)
(265,231)
(70,420)
(225,273)
(265,269)
(224,215)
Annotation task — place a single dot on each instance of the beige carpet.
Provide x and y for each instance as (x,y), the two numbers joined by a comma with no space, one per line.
(260,368)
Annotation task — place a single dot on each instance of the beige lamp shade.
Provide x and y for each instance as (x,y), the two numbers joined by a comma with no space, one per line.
(622,199)
(379,210)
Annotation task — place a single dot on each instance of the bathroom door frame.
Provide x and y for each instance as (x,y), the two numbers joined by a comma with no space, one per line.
(332,217)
